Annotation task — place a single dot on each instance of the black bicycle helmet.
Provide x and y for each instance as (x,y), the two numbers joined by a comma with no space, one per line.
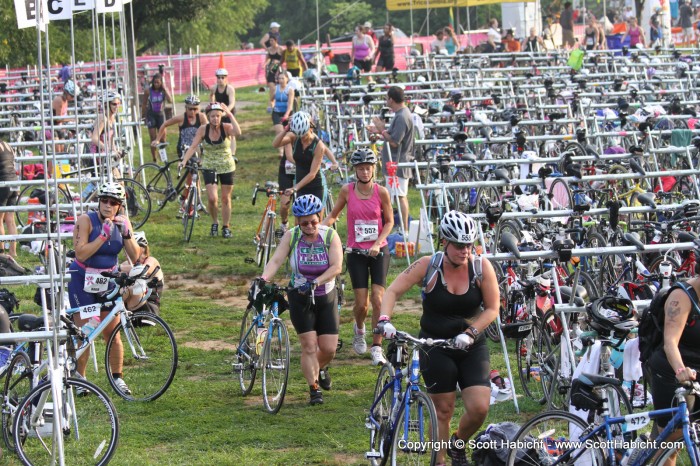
(611,315)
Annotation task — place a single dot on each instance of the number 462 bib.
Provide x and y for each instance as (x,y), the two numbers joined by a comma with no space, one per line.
(366,230)
(94,282)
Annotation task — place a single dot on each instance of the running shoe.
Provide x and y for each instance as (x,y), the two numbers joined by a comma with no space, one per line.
(324,379)
(214,229)
(358,341)
(315,396)
(122,386)
(378,358)
(226,232)
(458,455)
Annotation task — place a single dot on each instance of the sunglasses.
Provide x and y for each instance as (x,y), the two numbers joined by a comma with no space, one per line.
(313,223)
(112,104)
(112,202)
(221,77)
(193,108)
(461,245)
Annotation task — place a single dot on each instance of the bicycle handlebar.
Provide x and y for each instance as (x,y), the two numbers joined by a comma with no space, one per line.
(269,191)
(363,252)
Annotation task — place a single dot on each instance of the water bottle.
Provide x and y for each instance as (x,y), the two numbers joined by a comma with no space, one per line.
(641,269)
(472,197)
(91,325)
(260,340)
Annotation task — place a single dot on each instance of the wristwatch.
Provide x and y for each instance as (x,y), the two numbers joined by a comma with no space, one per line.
(473,330)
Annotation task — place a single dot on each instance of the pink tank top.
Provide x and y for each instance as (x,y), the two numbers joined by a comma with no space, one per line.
(634,36)
(365,220)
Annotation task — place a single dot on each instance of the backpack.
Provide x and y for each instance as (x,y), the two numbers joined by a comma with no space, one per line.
(651,325)
(499,435)
(8,300)
(436,263)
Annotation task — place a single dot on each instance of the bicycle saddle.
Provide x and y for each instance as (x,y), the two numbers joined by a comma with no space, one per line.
(29,322)
(647,199)
(634,165)
(509,242)
(460,136)
(632,239)
(272,185)
(501,174)
(598,380)
(573,169)
(544,171)
(555,116)
(578,299)
(467,157)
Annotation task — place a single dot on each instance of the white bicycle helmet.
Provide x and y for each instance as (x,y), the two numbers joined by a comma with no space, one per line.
(308,204)
(136,295)
(222,72)
(300,123)
(140,238)
(361,156)
(113,190)
(70,89)
(111,96)
(457,227)
(192,100)
(214,106)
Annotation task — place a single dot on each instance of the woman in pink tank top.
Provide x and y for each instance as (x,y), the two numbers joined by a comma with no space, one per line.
(370,220)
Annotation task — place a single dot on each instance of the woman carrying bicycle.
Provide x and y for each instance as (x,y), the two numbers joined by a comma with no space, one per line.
(218,163)
(281,98)
(187,123)
(307,153)
(455,290)
(370,220)
(98,238)
(315,255)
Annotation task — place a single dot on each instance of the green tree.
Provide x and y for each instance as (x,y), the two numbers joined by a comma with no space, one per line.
(347,15)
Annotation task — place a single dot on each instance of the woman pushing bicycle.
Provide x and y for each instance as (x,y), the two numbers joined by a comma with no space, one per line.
(98,238)
(370,220)
(315,255)
(460,299)
(218,162)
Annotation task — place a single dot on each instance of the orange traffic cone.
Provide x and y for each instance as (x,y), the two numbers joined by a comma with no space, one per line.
(221,61)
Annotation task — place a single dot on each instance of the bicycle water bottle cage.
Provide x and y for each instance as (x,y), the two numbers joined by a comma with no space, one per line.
(632,239)
(647,199)
(509,243)
(563,247)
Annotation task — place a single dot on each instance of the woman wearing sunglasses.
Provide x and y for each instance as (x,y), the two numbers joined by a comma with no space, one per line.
(98,238)
(187,124)
(315,256)
(459,301)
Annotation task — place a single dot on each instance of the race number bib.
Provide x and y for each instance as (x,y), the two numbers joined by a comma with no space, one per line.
(89,311)
(589,41)
(366,230)
(290,168)
(94,282)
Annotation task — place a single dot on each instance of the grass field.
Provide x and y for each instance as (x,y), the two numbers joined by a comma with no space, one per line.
(202,418)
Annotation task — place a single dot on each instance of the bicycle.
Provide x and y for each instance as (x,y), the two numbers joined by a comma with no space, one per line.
(264,348)
(559,437)
(192,199)
(402,421)
(264,238)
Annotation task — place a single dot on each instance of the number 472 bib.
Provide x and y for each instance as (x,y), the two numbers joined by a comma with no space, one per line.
(366,230)
(94,282)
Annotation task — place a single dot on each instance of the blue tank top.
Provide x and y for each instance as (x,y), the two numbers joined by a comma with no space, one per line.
(281,100)
(108,255)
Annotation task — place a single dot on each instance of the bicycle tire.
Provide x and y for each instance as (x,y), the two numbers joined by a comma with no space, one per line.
(156,179)
(246,353)
(91,432)
(18,384)
(591,264)
(529,366)
(548,347)
(378,440)
(461,195)
(22,217)
(612,268)
(189,216)
(261,238)
(542,431)
(416,439)
(560,198)
(485,196)
(682,458)
(150,371)
(138,202)
(275,366)
(269,241)
(511,226)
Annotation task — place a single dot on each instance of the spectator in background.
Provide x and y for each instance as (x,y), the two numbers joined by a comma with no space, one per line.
(494,37)
(438,44)
(655,26)
(566,20)
(273,32)
(510,44)
(362,50)
(367,28)
(385,49)
(685,21)
(64,74)
(591,39)
(635,33)
(628,14)
(273,62)
(533,42)
(548,33)
(451,41)
(294,60)
(8,195)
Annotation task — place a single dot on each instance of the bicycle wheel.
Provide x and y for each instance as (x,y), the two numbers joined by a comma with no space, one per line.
(611,269)
(267,243)
(190,214)
(150,357)
(157,182)
(591,264)
(560,198)
(554,385)
(24,217)
(90,425)
(18,384)
(680,451)
(262,241)
(379,438)
(246,357)
(275,366)
(529,367)
(415,428)
(485,196)
(138,202)
(549,435)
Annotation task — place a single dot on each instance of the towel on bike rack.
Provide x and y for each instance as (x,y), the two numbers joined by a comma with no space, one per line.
(589,364)
(631,365)
(680,138)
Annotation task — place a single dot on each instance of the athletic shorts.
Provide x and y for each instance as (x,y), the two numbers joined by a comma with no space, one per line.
(155,120)
(211,177)
(363,65)
(386,62)
(567,37)
(397,186)
(361,268)
(8,196)
(444,368)
(315,190)
(285,181)
(321,317)
(271,78)
(277,118)
(664,384)
(294,72)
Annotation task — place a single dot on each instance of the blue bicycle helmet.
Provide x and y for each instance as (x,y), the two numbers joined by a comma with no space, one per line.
(307,204)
